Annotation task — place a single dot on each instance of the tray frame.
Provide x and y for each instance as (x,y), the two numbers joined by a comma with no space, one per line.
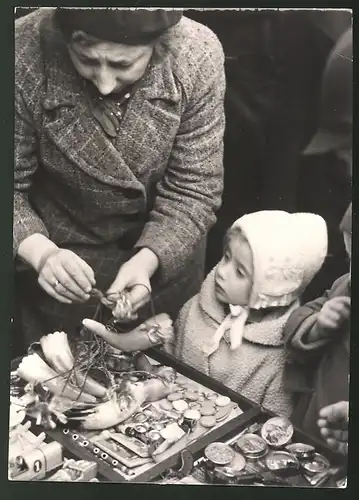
(251,413)
(107,473)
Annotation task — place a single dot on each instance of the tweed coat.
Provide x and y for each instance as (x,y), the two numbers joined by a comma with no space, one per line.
(157,185)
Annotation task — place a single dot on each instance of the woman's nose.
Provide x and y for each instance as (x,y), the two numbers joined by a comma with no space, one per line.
(105,81)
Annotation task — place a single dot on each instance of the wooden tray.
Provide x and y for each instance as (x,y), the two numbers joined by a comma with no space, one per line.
(108,473)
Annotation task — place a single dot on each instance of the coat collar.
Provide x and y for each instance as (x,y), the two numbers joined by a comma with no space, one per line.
(268,331)
(64,85)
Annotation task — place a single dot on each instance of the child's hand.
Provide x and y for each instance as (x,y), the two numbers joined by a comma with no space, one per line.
(333,314)
(333,423)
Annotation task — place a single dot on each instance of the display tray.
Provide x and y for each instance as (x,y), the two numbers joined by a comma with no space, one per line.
(206,473)
(92,445)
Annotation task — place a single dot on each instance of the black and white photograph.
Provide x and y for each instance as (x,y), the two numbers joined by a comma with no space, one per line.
(182,235)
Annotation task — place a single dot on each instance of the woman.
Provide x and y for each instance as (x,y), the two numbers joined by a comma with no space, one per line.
(118,160)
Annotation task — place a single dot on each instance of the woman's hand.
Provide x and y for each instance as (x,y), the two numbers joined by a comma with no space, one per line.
(66,277)
(333,423)
(62,274)
(134,278)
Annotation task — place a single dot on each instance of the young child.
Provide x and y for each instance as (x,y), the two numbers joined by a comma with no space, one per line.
(233,329)
(317,342)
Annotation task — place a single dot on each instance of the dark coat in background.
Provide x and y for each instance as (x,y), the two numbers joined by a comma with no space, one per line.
(318,373)
(274,63)
(156,185)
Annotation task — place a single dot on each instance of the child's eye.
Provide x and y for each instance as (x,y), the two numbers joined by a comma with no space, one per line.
(239,272)
(226,256)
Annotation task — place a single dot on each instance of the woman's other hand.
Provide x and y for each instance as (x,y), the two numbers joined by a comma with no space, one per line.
(134,278)
(66,277)
(61,273)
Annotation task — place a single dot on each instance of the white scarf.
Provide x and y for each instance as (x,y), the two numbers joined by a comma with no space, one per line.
(234,322)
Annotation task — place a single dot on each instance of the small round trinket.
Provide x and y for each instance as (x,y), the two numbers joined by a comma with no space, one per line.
(301,450)
(190,419)
(157,426)
(174,396)
(219,453)
(252,446)
(207,409)
(154,435)
(166,405)
(211,396)
(180,405)
(192,414)
(281,460)
(140,418)
(191,396)
(208,421)
(277,431)
(222,401)
(141,429)
(129,431)
(318,463)
(194,406)
(223,412)
(229,472)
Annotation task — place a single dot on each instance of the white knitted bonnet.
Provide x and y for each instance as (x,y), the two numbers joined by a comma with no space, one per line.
(288,250)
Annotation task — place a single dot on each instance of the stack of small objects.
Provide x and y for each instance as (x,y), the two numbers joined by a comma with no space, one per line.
(265,455)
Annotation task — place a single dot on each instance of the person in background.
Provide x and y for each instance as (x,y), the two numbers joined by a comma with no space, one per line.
(118,172)
(325,181)
(274,61)
(233,329)
(333,423)
(317,343)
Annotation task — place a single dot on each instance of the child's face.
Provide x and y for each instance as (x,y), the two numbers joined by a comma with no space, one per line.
(233,280)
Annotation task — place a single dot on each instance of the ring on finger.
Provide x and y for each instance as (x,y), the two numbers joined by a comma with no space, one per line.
(56,283)
(58,286)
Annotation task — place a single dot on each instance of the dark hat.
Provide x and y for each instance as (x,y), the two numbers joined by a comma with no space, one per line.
(336,105)
(119,25)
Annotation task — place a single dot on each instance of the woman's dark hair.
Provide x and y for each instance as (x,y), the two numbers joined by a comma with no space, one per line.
(123,26)
(161,42)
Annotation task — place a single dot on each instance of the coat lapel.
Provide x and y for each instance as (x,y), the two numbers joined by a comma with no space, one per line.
(71,127)
(151,120)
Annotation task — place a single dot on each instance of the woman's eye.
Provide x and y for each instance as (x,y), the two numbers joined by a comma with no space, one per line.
(239,272)
(87,61)
(118,65)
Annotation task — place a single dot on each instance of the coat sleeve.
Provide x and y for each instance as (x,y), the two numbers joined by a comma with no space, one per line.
(276,398)
(180,329)
(190,191)
(302,321)
(25,222)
